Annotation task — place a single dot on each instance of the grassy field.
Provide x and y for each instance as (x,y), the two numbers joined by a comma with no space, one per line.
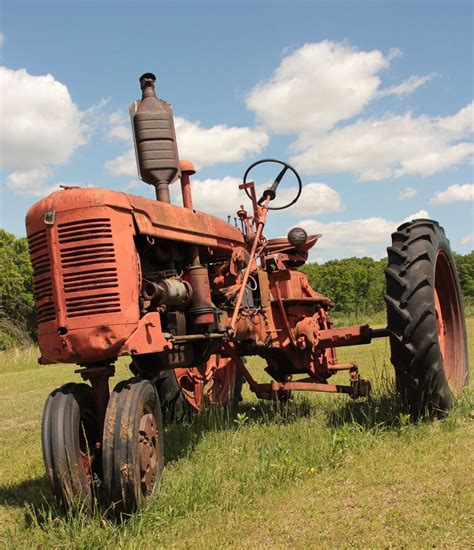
(322,473)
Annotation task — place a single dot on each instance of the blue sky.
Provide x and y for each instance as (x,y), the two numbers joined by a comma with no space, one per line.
(371,101)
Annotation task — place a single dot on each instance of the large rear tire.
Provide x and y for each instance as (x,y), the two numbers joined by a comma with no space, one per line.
(425,318)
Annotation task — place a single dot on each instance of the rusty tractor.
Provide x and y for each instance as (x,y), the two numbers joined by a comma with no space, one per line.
(188,296)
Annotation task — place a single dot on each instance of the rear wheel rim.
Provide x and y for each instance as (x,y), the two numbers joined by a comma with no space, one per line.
(450,325)
(211,383)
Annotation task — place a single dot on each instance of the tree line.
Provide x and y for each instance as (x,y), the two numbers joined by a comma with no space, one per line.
(355,285)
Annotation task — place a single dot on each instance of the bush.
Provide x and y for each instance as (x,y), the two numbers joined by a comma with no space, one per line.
(17,312)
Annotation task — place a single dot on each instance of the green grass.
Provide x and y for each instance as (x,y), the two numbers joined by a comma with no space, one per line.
(323,472)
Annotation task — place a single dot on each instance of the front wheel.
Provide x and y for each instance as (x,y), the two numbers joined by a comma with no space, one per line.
(133,456)
(70,438)
(425,318)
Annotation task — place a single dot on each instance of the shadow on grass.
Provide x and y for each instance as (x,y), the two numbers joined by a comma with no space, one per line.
(32,491)
(385,410)
(181,438)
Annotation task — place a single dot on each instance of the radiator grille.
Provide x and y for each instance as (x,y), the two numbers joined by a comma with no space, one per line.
(84,230)
(88,265)
(42,283)
(93,305)
(92,279)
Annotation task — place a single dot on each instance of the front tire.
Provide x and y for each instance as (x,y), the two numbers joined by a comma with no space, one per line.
(133,456)
(425,318)
(70,439)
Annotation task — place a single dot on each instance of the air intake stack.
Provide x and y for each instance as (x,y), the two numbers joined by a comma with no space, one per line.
(155,139)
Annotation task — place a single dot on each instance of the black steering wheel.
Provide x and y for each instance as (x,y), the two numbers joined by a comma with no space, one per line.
(271,191)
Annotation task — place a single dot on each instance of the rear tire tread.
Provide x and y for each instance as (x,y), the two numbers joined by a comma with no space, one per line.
(411,315)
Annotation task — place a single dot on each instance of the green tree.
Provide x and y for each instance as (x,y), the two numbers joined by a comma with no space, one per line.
(17,313)
(465,267)
(357,285)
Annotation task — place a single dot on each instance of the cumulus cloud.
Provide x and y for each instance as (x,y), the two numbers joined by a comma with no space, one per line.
(123,165)
(39,124)
(317,86)
(454,193)
(220,197)
(393,146)
(417,215)
(31,182)
(217,144)
(407,193)
(320,91)
(202,146)
(315,199)
(358,237)
(35,182)
(119,127)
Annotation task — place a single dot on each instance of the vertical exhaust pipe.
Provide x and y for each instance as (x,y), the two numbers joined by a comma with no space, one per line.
(154,138)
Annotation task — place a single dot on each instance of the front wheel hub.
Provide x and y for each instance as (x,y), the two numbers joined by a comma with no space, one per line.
(147,452)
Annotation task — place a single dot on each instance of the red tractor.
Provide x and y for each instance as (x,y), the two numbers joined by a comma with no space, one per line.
(188,296)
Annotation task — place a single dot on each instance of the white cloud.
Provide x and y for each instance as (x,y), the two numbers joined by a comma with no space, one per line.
(315,199)
(40,124)
(454,193)
(359,237)
(417,215)
(320,86)
(407,193)
(468,239)
(202,146)
(119,127)
(123,165)
(220,197)
(217,144)
(2,39)
(394,146)
(317,86)
(34,182)
(407,86)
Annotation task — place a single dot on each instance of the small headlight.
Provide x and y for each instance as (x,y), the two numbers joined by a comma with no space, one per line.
(297,237)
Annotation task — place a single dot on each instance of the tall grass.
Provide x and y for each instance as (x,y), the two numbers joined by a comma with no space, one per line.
(218,466)
(19,359)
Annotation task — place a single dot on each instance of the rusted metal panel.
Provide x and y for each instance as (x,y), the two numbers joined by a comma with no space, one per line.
(168,221)
(86,274)
(147,337)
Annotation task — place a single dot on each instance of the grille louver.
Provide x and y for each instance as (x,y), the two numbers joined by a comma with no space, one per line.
(93,305)
(88,266)
(42,283)
(84,230)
